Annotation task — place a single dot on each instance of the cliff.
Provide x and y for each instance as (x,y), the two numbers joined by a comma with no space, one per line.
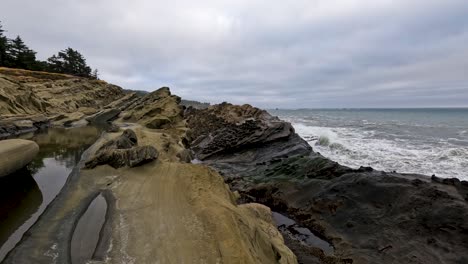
(30,100)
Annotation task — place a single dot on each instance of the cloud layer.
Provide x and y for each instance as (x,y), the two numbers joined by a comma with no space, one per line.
(323,53)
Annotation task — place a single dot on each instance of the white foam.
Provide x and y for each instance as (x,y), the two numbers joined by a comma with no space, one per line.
(354,147)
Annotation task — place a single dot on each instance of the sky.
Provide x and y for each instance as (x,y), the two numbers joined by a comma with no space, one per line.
(285,54)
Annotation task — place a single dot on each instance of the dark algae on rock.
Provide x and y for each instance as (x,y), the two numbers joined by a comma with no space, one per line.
(368,216)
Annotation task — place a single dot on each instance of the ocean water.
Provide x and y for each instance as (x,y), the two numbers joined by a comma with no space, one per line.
(426,141)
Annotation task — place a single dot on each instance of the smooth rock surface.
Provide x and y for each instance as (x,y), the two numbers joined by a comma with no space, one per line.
(15,154)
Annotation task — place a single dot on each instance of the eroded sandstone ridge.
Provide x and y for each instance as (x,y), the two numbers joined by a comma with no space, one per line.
(31,100)
(162,210)
(369,216)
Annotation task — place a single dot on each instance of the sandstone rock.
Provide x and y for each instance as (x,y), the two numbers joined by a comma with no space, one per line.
(158,109)
(158,122)
(29,92)
(123,151)
(103,116)
(24,124)
(15,154)
(118,158)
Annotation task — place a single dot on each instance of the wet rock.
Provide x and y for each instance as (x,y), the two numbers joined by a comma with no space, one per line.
(363,212)
(15,154)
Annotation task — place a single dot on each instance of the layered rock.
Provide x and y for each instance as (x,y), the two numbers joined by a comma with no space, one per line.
(15,154)
(369,216)
(157,110)
(166,211)
(220,130)
(123,151)
(58,98)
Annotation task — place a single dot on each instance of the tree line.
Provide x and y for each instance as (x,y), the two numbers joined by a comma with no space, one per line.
(14,53)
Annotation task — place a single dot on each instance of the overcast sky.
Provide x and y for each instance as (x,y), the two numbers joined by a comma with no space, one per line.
(289,54)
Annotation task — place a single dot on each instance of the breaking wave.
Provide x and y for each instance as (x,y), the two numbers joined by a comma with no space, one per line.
(355,147)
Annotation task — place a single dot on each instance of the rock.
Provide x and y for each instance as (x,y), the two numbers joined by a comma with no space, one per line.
(15,154)
(123,151)
(24,124)
(118,158)
(159,109)
(225,128)
(158,123)
(30,93)
(112,128)
(360,211)
(103,116)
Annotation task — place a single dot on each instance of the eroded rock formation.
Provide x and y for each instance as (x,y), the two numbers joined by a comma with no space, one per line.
(369,216)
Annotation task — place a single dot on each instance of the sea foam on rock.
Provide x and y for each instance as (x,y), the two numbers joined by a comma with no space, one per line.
(369,216)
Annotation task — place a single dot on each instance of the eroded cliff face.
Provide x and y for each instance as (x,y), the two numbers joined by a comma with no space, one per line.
(31,100)
(165,210)
(28,93)
(369,216)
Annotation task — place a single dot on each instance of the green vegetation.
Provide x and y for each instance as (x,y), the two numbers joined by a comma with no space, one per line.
(14,53)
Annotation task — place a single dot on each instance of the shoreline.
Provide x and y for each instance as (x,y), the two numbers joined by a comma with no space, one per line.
(161,206)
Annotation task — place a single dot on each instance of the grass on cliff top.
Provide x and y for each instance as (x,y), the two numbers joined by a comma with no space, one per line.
(34,74)
(41,75)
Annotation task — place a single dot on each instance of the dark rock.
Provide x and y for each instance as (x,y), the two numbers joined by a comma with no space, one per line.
(103,116)
(365,213)
(112,128)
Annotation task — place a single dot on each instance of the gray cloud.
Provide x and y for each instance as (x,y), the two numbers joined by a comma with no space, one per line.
(323,53)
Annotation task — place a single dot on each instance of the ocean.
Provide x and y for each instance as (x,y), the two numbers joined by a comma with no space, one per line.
(425,141)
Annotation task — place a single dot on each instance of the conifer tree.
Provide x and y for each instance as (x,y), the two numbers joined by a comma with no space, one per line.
(19,55)
(69,61)
(3,47)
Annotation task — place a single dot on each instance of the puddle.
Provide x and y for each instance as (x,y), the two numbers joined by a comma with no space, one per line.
(289,227)
(24,195)
(86,235)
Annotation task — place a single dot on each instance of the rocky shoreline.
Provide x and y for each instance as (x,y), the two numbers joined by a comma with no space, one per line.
(162,206)
(369,216)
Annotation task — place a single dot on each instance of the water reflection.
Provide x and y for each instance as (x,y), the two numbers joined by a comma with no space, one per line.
(28,192)
(20,198)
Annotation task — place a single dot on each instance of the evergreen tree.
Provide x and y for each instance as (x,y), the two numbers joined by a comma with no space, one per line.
(69,61)
(18,55)
(95,74)
(3,47)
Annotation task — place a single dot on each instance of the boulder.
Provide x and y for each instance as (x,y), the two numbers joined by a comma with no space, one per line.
(15,154)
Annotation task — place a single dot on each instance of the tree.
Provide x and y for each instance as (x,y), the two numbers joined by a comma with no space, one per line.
(69,61)
(18,55)
(3,46)
(95,74)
